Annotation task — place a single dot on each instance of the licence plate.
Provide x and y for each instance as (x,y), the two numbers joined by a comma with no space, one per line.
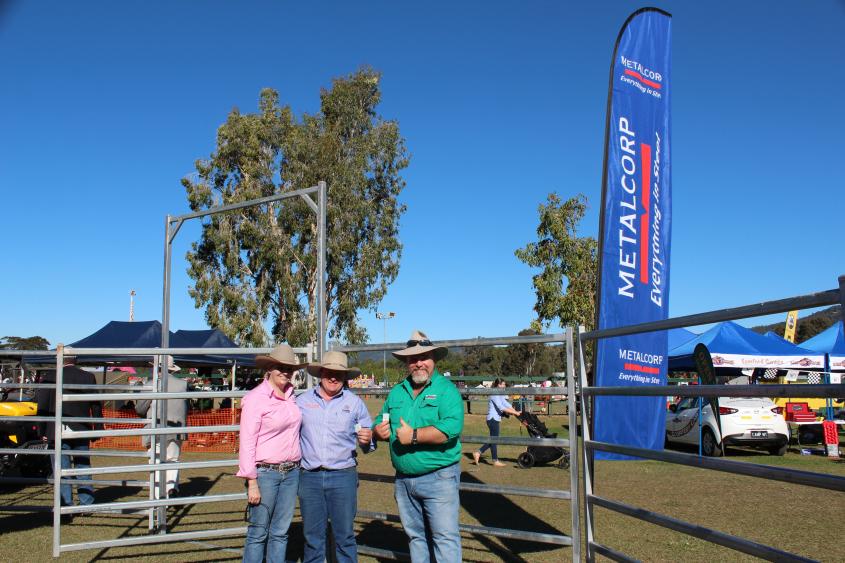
(759,433)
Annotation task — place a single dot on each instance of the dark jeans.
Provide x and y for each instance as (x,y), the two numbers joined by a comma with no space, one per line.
(493,425)
(84,492)
(323,496)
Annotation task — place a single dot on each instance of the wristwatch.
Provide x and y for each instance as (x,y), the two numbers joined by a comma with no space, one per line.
(414,437)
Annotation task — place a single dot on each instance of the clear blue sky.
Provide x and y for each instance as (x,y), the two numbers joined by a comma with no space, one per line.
(106,105)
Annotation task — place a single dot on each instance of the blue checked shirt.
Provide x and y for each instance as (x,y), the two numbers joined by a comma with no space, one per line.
(327,436)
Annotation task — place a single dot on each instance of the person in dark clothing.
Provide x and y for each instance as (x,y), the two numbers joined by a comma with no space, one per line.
(46,399)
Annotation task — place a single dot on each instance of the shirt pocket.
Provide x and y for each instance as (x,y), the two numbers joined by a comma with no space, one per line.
(428,412)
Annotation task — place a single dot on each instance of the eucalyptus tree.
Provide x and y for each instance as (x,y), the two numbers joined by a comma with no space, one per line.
(565,287)
(257,266)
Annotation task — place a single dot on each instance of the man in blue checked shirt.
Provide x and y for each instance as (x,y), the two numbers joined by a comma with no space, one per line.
(334,422)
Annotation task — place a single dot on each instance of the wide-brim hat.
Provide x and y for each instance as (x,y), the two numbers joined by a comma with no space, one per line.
(418,344)
(335,361)
(281,355)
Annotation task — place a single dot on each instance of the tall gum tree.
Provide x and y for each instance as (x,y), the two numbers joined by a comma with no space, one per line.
(258,266)
(565,287)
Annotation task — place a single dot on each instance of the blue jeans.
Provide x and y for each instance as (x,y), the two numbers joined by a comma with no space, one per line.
(493,426)
(84,492)
(428,507)
(329,495)
(269,521)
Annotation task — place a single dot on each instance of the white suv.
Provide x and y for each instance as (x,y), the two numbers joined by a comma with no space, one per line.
(745,421)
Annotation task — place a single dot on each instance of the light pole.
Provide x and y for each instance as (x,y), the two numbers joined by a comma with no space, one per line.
(385,317)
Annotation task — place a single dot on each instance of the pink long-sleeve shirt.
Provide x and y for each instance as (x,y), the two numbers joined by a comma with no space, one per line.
(269,429)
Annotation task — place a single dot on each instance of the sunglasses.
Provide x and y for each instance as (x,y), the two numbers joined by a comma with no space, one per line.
(412,343)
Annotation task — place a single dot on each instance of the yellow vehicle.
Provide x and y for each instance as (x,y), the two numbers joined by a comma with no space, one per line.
(21,435)
(814,404)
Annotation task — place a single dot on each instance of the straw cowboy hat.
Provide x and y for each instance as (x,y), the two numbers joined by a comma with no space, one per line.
(418,344)
(281,355)
(335,361)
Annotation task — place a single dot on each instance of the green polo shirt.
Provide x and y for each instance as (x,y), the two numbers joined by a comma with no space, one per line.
(438,404)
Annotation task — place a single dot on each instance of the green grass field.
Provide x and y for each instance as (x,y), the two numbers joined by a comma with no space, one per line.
(800,519)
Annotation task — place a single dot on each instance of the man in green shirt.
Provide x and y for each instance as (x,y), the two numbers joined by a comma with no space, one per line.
(423,418)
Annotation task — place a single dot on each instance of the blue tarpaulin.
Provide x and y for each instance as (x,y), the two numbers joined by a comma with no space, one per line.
(734,346)
(147,334)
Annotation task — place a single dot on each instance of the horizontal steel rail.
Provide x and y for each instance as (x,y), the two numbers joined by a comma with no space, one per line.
(713,536)
(537,537)
(94,482)
(150,467)
(516,441)
(810,391)
(25,508)
(795,476)
(153,539)
(820,299)
(243,204)
(134,505)
(480,341)
(82,386)
(89,419)
(484,488)
(612,554)
(162,430)
(90,452)
(379,553)
(81,397)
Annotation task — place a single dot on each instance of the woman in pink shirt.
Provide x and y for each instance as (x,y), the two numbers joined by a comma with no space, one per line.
(269,455)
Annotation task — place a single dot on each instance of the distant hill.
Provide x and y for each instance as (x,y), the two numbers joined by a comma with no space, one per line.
(808,326)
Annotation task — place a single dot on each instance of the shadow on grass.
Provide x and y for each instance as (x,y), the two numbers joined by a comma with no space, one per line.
(380,534)
(498,511)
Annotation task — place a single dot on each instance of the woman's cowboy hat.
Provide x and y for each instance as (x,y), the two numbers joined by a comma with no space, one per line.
(335,361)
(281,355)
(420,344)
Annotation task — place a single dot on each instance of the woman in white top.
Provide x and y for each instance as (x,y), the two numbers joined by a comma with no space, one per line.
(496,407)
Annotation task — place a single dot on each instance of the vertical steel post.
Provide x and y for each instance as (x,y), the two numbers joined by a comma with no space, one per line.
(161,413)
(321,269)
(572,407)
(57,451)
(151,414)
(587,457)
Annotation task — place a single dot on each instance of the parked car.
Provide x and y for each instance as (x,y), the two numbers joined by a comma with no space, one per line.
(745,421)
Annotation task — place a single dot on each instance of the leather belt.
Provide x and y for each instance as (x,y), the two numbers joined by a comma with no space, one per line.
(282,467)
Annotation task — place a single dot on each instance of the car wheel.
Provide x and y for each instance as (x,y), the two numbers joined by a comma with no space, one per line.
(709,446)
(525,460)
(778,450)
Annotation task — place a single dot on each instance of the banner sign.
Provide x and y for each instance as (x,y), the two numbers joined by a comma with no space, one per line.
(635,232)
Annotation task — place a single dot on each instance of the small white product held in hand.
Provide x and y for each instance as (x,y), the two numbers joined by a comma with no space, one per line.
(385,417)
(357,427)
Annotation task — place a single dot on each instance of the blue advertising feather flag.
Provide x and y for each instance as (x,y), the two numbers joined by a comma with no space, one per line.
(635,232)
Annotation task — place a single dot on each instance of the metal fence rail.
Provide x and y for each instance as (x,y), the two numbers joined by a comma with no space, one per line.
(586,392)
(147,427)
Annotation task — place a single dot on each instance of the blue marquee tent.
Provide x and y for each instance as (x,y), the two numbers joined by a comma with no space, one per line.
(734,346)
(147,334)
(830,342)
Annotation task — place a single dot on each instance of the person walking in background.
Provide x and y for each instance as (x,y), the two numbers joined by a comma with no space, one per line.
(497,407)
(334,422)
(422,418)
(269,455)
(46,399)
(177,416)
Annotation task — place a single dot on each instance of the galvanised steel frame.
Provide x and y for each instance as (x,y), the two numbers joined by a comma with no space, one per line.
(574,539)
(829,482)
(171,228)
(163,536)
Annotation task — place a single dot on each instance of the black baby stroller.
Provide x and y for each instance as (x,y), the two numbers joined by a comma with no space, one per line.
(538,455)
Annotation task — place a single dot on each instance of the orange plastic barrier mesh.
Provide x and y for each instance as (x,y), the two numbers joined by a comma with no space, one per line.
(205,442)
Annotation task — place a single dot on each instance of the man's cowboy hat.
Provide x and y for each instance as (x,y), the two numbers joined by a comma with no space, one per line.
(281,355)
(335,361)
(420,344)
(171,365)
